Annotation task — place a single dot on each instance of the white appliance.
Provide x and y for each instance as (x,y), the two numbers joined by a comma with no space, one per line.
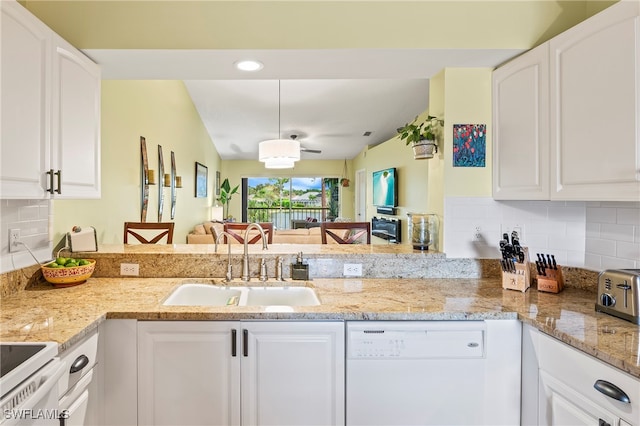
(433,372)
(29,375)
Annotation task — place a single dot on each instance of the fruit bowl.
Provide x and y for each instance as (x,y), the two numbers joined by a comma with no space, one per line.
(62,276)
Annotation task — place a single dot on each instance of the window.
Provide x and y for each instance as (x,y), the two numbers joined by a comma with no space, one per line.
(290,203)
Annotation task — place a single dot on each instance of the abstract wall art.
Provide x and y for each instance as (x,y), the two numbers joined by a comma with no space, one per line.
(469,145)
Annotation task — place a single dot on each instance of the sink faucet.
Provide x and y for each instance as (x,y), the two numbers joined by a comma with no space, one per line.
(245,263)
(227,277)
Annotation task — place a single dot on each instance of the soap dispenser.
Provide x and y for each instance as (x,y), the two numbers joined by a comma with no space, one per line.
(299,270)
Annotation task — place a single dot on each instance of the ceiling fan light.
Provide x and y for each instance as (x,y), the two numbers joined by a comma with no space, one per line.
(279,164)
(286,150)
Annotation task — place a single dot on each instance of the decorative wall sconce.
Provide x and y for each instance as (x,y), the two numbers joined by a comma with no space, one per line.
(160,187)
(178,181)
(151,177)
(144,180)
(167,180)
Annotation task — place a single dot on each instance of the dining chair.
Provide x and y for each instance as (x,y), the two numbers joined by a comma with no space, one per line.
(352,232)
(237,229)
(140,230)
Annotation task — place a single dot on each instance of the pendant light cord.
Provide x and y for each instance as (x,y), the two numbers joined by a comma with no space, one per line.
(279,106)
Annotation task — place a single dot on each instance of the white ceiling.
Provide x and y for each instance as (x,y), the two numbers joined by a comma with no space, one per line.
(327,97)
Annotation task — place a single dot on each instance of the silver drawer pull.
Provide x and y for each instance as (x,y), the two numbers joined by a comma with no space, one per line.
(612,391)
(81,362)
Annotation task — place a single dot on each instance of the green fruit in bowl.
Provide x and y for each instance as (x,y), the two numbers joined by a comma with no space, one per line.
(83,262)
(61,261)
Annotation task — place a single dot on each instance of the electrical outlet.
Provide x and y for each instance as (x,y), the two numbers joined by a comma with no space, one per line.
(132,269)
(477,234)
(353,269)
(508,228)
(14,238)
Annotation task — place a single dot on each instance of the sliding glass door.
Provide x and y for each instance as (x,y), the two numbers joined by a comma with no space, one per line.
(292,202)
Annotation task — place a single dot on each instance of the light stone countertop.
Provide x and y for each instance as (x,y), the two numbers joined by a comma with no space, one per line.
(65,315)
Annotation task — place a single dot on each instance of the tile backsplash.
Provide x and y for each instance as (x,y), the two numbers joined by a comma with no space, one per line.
(33,218)
(595,235)
(613,235)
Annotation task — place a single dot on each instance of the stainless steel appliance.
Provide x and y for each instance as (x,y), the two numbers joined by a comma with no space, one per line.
(618,293)
(29,375)
(433,372)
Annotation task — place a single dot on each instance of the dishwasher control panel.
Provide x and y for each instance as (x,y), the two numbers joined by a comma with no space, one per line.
(416,340)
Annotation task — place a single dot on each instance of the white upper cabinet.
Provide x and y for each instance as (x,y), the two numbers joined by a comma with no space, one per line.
(595,111)
(76,121)
(567,114)
(50,112)
(521,127)
(26,103)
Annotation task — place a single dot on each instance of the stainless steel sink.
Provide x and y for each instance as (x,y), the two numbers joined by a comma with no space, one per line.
(198,294)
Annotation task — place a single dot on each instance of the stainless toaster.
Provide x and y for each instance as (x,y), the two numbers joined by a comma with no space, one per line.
(619,293)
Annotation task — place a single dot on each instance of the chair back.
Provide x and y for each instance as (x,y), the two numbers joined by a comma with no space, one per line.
(351,231)
(236,230)
(141,230)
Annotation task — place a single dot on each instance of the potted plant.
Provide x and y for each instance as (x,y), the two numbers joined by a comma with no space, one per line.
(422,136)
(225,195)
(344,182)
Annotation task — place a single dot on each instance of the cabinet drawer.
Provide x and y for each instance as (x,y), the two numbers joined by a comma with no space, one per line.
(81,357)
(580,372)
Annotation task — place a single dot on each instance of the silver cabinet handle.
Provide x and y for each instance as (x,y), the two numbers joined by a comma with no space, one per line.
(612,391)
(81,362)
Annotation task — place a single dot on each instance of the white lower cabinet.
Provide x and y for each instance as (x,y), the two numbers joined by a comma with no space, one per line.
(78,389)
(574,388)
(240,372)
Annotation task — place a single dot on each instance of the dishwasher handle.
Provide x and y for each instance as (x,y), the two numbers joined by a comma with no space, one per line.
(612,391)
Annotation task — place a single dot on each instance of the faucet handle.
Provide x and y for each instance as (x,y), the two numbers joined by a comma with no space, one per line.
(229,275)
(263,269)
(279,269)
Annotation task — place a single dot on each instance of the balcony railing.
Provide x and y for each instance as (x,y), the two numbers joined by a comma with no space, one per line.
(285,218)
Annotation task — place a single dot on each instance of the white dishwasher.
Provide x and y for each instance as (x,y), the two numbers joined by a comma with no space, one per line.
(433,372)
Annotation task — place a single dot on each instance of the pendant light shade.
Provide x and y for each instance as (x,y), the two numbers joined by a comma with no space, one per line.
(279,153)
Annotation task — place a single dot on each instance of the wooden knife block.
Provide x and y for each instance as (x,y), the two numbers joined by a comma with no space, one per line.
(552,282)
(521,279)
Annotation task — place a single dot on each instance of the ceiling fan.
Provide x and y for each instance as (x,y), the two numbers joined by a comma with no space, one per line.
(303,149)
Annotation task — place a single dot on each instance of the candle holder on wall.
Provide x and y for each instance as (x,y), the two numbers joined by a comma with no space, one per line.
(160,187)
(173,185)
(144,180)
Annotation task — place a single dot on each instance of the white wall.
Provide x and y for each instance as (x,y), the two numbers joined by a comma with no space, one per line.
(594,235)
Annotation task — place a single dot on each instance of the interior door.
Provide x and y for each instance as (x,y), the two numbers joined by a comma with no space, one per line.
(361,199)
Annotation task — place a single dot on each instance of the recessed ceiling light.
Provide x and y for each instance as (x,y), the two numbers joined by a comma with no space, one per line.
(249,65)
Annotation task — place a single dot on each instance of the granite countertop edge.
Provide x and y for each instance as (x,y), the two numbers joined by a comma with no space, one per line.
(67,315)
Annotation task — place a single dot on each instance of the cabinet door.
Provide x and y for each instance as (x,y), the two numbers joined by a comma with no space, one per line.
(26,99)
(595,112)
(561,405)
(293,373)
(521,127)
(187,373)
(76,121)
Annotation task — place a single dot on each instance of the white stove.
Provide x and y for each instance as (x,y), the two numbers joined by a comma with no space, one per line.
(29,375)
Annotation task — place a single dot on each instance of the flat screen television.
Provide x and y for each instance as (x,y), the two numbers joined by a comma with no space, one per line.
(385,188)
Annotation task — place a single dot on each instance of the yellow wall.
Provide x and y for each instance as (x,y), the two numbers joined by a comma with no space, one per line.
(235,170)
(467,100)
(270,24)
(164,114)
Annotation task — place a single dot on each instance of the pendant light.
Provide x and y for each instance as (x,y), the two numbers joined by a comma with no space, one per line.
(279,153)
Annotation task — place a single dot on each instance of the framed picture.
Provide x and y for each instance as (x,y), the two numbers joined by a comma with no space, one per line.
(201,180)
(217,183)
